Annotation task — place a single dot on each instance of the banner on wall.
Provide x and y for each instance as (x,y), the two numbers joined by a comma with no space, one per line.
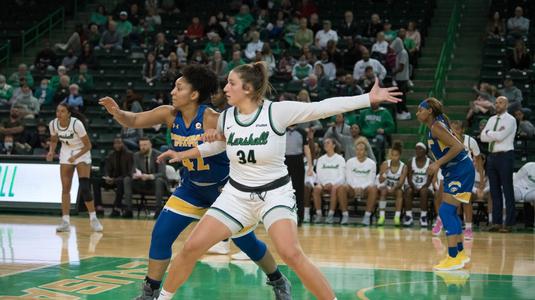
(32,185)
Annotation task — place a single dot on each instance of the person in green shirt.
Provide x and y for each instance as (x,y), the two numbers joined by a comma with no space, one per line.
(6,91)
(124,27)
(99,16)
(409,44)
(22,72)
(390,34)
(303,36)
(244,19)
(214,45)
(83,79)
(302,70)
(376,123)
(236,61)
(54,81)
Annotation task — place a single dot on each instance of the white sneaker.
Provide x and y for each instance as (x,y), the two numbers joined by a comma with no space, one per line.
(329,219)
(64,227)
(220,248)
(317,219)
(306,219)
(95,225)
(365,221)
(407,220)
(423,221)
(345,220)
(240,256)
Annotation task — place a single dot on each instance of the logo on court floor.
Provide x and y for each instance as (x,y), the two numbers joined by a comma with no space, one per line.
(8,175)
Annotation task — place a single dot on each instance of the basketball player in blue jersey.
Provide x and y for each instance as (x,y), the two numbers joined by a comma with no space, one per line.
(202,179)
(458,171)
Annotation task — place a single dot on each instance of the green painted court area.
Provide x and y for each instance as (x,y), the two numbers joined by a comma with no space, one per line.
(119,278)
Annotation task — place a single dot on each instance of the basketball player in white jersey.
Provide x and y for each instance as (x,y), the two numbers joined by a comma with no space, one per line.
(74,154)
(252,132)
(471,146)
(360,180)
(390,182)
(524,184)
(330,170)
(418,183)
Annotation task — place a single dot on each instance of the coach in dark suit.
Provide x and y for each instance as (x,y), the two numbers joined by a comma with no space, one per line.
(148,175)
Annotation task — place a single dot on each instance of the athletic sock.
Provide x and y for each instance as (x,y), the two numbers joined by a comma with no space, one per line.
(382,206)
(93,215)
(460,246)
(409,213)
(318,212)
(423,214)
(331,213)
(468,225)
(66,218)
(307,211)
(345,213)
(490,218)
(154,284)
(452,251)
(398,213)
(382,213)
(165,295)
(367,214)
(275,275)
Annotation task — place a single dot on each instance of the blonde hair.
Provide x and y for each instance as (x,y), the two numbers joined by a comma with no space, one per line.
(255,75)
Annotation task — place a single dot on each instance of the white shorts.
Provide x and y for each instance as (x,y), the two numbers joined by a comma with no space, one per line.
(523,194)
(486,189)
(310,180)
(238,210)
(66,153)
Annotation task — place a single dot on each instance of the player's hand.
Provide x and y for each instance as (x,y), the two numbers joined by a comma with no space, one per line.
(72,159)
(49,156)
(432,169)
(111,106)
(173,157)
(212,135)
(310,172)
(379,94)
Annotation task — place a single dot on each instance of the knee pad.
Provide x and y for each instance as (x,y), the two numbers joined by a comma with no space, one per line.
(448,215)
(84,189)
(250,245)
(167,228)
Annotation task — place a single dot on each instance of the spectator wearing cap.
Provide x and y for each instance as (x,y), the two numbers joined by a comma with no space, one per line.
(124,27)
(513,94)
(74,99)
(325,35)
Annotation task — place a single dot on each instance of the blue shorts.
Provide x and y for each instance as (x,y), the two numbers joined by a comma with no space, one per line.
(459,180)
(192,200)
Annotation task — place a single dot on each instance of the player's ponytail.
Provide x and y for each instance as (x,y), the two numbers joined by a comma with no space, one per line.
(257,77)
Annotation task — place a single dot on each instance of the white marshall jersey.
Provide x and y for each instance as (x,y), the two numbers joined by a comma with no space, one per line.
(360,174)
(525,177)
(70,136)
(419,175)
(393,178)
(471,146)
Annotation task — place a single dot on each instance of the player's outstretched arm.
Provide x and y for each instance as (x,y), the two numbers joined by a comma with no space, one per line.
(163,114)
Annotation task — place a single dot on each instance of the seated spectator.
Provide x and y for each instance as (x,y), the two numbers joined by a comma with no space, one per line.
(348,86)
(45,60)
(339,125)
(75,40)
(195,30)
(93,36)
(414,34)
(330,171)
(269,58)
(513,94)
(214,45)
(162,47)
(111,38)
(124,27)
(244,19)
(376,123)
(153,19)
(236,61)
(526,130)
(214,27)
(301,70)
(134,15)
(519,59)
(496,26)
(198,58)
(28,105)
(171,69)
(325,35)
(6,92)
(367,81)
(484,103)
(132,102)
(12,147)
(524,186)
(314,23)
(118,175)
(390,181)
(360,67)
(419,183)
(254,46)
(360,179)
(74,99)
(87,57)
(276,32)
(69,61)
(99,16)
(309,55)
(62,91)
(40,139)
(44,93)
(373,27)
(83,79)
(348,29)
(13,125)
(219,66)
(380,47)
(353,53)
(148,175)
(303,36)
(389,33)
(328,67)
(151,69)
(54,81)
(182,53)
(160,98)
(231,30)
(348,141)
(517,26)
(285,65)
(291,29)
(22,72)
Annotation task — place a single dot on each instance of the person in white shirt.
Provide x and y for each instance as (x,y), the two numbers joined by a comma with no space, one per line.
(328,66)
(254,46)
(360,67)
(418,183)
(390,183)
(330,170)
(517,26)
(360,182)
(380,46)
(500,134)
(325,35)
(524,185)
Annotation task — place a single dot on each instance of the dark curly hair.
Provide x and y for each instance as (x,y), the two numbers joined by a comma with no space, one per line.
(203,80)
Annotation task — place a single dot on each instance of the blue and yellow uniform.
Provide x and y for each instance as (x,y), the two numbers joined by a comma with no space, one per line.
(201,179)
(459,173)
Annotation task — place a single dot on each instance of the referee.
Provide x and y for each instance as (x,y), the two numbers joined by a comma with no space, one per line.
(296,149)
(500,134)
